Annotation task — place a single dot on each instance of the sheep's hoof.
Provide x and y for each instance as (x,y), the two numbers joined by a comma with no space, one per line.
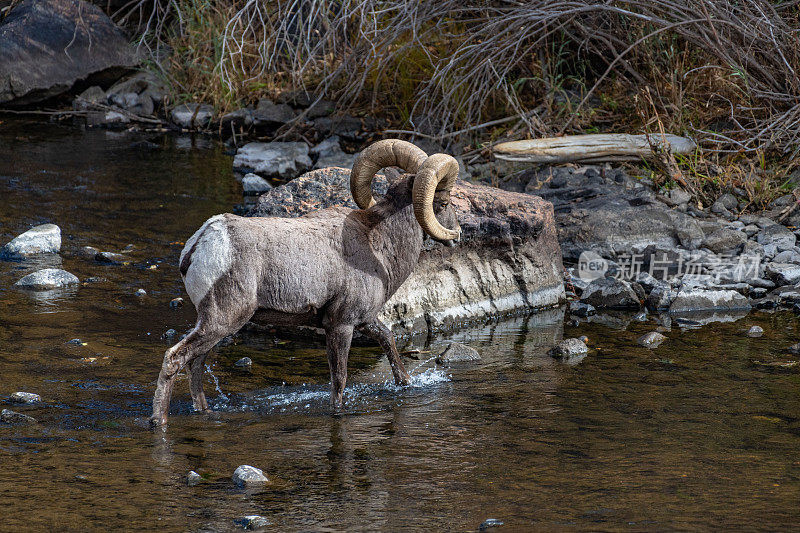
(157,421)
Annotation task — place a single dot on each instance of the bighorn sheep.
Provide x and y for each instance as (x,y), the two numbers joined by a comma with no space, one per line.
(334,268)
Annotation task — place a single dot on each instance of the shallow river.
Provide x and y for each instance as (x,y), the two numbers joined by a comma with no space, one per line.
(701,433)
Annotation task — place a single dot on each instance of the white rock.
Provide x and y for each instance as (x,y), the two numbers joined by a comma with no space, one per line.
(25,397)
(252,522)
(38,240)
(193,478)
(246,476)
(254,184)
(47,278)
(275,159)
(755,331)
(651,340)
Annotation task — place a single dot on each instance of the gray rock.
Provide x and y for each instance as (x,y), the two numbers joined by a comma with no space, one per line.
(458,353)
(169,334)
(611,293)
(344,126)
(239,118)
(75,342)
(787,256)
(88,98)
(750,230)
(25,397)
(783,273)
(581,309)
(679,196)
(724,204)
(323,108)
(245,363)
(724,239)
(698,299)
(139,94)
(108,119)
(568,347)
(47,278)
(570,351)
(253,184)
(176,303)
(273,160)
(42,239)
(252,522)
(7,416)
(651,340)
(192,115)
(777,235)
(141,293)
(193,478)
(338,159)
(755,331)
(647,281)
(88,252)
(268,113)
(327,147)
(247,476)
(49,45)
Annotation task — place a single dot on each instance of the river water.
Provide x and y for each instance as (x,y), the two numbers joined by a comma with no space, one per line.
(701,433)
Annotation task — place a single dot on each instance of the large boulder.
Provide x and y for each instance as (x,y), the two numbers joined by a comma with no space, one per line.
(46,46)
(508,260)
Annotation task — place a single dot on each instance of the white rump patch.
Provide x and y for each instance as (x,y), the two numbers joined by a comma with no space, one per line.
(211,259)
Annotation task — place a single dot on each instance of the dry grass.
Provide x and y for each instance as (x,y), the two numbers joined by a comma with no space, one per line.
(725,72)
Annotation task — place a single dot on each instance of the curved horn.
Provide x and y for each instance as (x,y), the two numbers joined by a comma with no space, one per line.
(437,173)
(382,154)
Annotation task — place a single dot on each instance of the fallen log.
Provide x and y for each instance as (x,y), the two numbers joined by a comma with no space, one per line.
(591,148)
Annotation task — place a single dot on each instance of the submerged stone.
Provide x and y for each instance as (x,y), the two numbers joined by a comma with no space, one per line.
(193,478)
(8,416)
(755,331)
(458,353)
(252,522)
(651,340)
(569,349)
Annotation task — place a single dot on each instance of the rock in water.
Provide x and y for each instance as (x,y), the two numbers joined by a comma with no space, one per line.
(509,258)
(48,278)
(25,397)
(48,45)
(176,303)
(490,522)
(273,160)
(458,353)
(12,417)
(697,299)
(244,363)
(247,476)
(651,340)
(44,239)
(193,478)
(755,331)
(570,349)
(253,184)
(253,522)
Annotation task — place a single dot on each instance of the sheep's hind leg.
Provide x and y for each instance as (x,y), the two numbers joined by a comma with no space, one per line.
(338,340)
(383,335)
(198,343)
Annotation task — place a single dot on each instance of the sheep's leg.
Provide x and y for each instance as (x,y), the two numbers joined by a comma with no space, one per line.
(338,347)
(196,368)
(196,344)
(383,335)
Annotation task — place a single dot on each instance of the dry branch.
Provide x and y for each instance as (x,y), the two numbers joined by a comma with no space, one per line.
(592,148)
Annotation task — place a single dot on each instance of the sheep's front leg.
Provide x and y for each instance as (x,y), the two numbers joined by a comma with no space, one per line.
(196,369)
(338,340)
(377,331)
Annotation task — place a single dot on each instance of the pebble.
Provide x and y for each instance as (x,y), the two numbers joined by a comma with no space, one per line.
(169,334)
(246,475)
(245,363)
(75,342)
(651,340)
(252,522)
(12,417)
(568,349)
(755,331)
(25,397)
(110,258)
(176,303)
(490,522)
(193,478)
(141,293)
(458,353)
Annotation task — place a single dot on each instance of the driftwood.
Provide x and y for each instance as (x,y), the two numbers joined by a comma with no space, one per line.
(591,148)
